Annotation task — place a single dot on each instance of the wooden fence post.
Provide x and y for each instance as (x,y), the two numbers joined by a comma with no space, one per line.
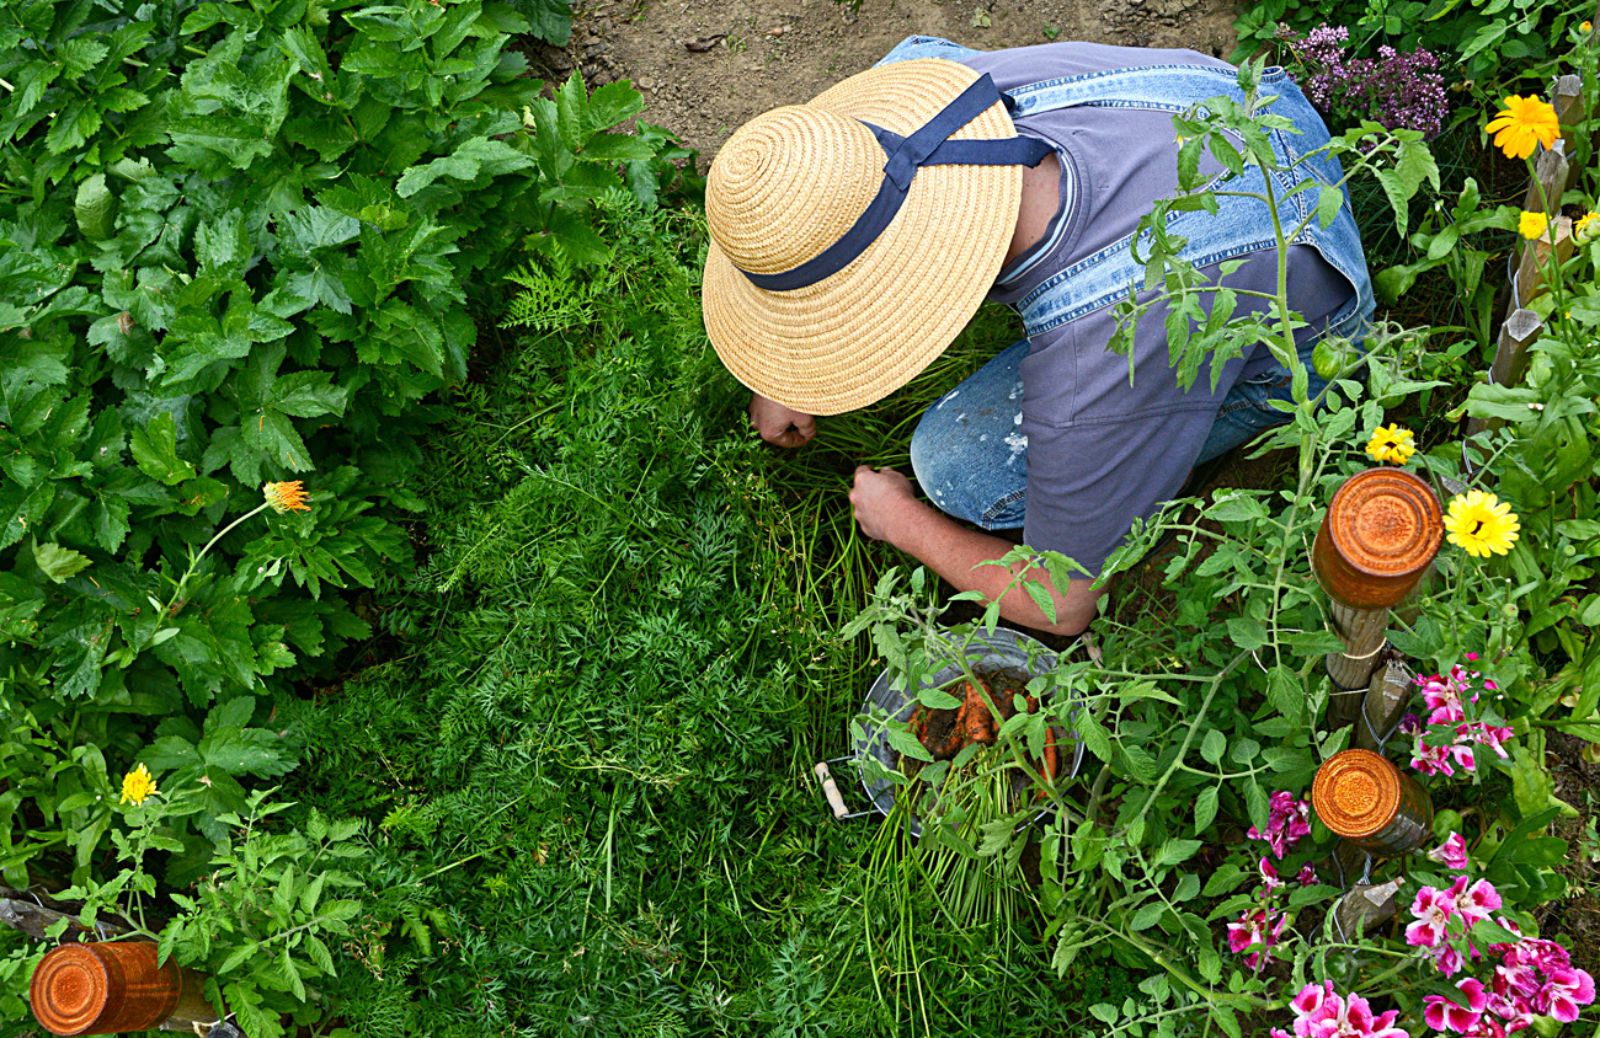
(1534,269)
(1392,687)
(108,987)
(1550,172)
(1377,539)
(1566,97)
(1510,358)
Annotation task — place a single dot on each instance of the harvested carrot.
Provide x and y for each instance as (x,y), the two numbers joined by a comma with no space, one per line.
(980,723)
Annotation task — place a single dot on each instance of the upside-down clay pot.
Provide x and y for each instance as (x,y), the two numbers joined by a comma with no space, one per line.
(1377,539)
(1362,797)
(109,987)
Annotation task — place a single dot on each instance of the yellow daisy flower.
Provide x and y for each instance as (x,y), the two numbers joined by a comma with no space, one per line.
(1393,443)
(286,497)
(1522,124)
(138,785)
(1532,225)
(1586,27)
(1587,227)
(1481,524)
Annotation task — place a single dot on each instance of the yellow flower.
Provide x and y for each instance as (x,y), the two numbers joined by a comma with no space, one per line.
(1392,443)
(1481,524)
(138,785)
(286,497)
(1523,123)
(1587,227)
(1586,27)
(1532,225)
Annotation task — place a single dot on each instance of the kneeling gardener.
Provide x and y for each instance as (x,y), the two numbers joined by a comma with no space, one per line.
(855,235)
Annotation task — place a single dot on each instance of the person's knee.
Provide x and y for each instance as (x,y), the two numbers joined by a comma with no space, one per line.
(931,453)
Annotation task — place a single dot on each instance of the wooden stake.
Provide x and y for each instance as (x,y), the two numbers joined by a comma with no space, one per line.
(1540,257)
(1363,632)
(1366,907)
(1566,97)
(1386,700)
(1510,358)
(1377,539)
(1549,180)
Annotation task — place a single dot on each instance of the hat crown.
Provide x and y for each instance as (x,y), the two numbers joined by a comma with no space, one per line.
(788,184)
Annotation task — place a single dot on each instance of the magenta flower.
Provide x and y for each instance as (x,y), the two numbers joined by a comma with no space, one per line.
(1566,993)
(1443,697)
(1452,853)
(1288,820)
(1431,760)
(1269,876)
(1475,903)
(1307,876)
(1442,1014)
(1433,910)
(1446,959)
(1321,1013)
(1254,934)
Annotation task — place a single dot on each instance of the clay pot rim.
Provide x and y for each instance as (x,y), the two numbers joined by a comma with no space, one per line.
(1435,527)
(1389,793)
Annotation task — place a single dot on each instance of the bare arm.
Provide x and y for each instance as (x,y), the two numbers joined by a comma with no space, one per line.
(888,510)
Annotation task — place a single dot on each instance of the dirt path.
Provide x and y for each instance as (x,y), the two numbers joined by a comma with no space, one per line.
(705,66)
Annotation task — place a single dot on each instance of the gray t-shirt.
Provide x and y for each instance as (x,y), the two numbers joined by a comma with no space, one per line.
(1102,452)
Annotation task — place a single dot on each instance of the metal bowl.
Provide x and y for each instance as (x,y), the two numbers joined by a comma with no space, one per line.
(1004,649)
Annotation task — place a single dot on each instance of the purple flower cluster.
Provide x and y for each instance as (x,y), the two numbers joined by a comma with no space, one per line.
(1401,91)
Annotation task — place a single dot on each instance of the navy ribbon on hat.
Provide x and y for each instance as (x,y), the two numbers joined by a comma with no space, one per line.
(928,146)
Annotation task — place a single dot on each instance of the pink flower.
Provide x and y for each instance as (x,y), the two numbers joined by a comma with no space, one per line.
(1254,934)
(1288,820)
(1493,736)
(1452,853)
(1310,999)
(1472,657)
(1307,876)
(1442,694)
(1478,902)
(1431,760)
(1463,756)
(1567,991)
(1442,1014)
(1446,959)
(1269,876)
(1359,1020)
(1320,1013)
(1432,909)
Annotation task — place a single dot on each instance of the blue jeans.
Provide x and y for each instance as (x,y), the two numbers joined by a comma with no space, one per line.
(971,458)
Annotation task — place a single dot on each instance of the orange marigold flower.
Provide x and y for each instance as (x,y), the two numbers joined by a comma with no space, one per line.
(286,497)
(1522,124)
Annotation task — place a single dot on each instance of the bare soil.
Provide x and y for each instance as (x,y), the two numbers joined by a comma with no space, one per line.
(706,66)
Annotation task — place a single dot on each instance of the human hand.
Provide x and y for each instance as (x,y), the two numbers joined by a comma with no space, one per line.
(779,425)
(883,499)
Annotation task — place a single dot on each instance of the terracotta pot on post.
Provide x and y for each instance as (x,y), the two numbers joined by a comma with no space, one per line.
(109,987)
(1370,804)
(1377,540)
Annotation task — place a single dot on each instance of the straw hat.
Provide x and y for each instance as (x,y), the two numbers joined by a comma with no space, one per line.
(789,183)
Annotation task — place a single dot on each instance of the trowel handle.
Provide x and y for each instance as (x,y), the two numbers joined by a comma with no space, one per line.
(830,790)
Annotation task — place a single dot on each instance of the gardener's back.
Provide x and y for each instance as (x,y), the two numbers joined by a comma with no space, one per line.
(1050,435)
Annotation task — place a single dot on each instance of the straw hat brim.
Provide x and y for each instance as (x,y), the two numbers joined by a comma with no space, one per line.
(855,337)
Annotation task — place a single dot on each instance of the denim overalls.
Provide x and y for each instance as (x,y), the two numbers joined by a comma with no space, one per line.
(1241,226)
